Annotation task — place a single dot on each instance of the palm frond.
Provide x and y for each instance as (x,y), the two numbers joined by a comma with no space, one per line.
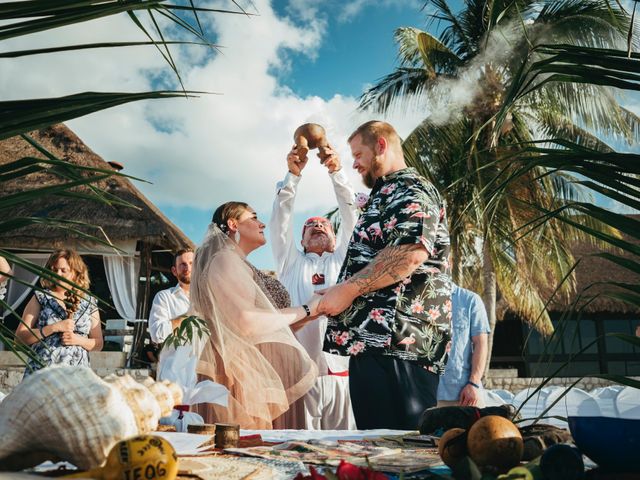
(593,106)
(554,124)
(567,64)
(399,84)
(32,16)
(595,23)
(417,48)
(87,46)
(18,116)
(454,35)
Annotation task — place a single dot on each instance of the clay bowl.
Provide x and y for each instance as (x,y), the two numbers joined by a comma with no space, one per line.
(310,136)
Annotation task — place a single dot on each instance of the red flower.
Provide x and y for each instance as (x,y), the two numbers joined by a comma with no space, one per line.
(348,471)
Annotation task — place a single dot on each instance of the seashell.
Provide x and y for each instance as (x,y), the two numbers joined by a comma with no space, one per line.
(163,396)
(162,393)
(146,381)
(176,391)
(308,137)
(62,413)
(141,401)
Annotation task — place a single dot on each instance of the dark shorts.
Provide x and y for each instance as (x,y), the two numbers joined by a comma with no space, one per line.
(387,392)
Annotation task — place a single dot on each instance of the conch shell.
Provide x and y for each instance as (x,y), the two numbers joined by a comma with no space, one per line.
(308,137)
(62,413)
(69,413)
(142,402)
(176,391)
(163,395)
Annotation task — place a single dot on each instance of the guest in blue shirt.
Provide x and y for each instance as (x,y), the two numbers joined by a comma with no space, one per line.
(461,383)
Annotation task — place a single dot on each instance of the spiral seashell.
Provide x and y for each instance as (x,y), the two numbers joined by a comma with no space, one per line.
(62,413)
(175,390)
(141,401)
(163,396)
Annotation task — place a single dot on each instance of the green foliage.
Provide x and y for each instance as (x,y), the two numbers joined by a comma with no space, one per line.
(186,331)
(523,85)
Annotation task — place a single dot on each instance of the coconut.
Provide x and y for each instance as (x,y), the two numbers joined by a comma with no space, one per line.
(452,446)
(496,442)
(308,137)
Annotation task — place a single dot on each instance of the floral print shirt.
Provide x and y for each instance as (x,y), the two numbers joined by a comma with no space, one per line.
(411,319)
(50,349)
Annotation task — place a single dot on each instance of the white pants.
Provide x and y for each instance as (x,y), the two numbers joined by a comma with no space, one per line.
(328,404)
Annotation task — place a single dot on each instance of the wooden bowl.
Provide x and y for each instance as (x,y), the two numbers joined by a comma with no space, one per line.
(227,435)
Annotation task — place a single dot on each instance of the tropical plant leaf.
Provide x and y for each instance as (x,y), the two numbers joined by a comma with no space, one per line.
(87,46)
(18,116)
(183,335)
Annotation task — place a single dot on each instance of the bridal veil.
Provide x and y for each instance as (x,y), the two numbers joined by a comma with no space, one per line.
(251,350)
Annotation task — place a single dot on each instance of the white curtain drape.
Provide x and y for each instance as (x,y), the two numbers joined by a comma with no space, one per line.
(123,274)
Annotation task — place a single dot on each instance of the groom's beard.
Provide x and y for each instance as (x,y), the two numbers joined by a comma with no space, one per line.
(368,177)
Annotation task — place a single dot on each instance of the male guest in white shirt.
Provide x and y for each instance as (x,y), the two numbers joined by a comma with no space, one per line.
(327,405)
(169,305)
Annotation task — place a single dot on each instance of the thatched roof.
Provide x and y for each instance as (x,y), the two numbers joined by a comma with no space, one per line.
(592,273)
(119,223)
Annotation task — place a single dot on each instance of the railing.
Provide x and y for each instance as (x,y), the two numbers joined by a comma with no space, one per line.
(129,333)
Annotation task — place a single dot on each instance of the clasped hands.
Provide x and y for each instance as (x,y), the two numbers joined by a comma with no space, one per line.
(65,328)
(295,165)
(330,301)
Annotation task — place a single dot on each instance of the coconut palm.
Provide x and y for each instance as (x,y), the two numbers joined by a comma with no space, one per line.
(467,71)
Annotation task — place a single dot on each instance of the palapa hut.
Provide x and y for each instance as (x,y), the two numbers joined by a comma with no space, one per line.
(517,345)
(145,237)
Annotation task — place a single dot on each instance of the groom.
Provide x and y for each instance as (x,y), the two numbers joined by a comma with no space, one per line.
(390,313)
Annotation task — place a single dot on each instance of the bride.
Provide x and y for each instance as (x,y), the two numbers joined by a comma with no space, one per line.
(251,350)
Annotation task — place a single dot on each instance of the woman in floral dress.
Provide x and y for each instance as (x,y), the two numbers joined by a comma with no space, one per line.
(61,324)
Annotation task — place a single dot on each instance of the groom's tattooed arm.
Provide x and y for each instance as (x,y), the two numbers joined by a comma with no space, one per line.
(390,266)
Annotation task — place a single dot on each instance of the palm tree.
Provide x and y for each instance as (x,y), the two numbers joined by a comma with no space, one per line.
(480,53)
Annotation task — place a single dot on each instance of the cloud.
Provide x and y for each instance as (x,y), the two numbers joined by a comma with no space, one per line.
(200,152)
(345,11)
